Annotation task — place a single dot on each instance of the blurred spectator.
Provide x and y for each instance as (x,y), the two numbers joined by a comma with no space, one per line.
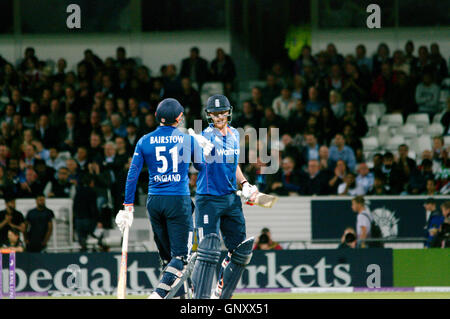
(10,219)
(270,91)
(401,98)
(434,219)
(324,158)
(354,117)
(353,141)
(382,56)
(438,62)
(298,118)
(333,56)
(171,83)
(427,95)
(271,119)
(350,187)
(314,181)
(305,59)
(286,181)
(340,151)
(311,149)
(336,104)
(399,63)
(442,239)
(336,176)
(379,186)
(30,186)
(85,210)
(314,105)
(195,68)
(365,177)
(223,70)
(81,157)
(39,226)
(14,243)
(393,174)
(348,239)
(265,242)
(60,187)
(356,86)
(327,124)
(190,99)
(249,116)
(284,104)
(299,89)
(430,187)
(409,54)
(383,84)
(54,161)
(363,62)
(406,163)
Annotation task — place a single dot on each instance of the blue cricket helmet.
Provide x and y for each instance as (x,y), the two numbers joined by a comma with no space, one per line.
(218,103)
(169,111)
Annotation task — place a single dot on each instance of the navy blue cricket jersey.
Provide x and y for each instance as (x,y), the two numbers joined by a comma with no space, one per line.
(167,152)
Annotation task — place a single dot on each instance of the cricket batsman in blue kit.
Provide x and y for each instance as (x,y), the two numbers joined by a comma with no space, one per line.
(218,208)
(167,152)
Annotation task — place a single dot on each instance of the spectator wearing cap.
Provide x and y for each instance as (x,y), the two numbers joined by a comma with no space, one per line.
(10,218)
(195,68)
(284,104)
(340,151)
(39,225)
(434,219)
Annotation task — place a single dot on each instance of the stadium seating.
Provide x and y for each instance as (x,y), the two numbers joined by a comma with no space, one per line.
(419,119)
(392,120)
(394,142)
(370,143)
(379,109)
(420,144)
(435,129)
(212,88)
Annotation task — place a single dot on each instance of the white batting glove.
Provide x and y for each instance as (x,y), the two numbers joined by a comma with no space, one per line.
(249,191)
(124,218)
(204,143)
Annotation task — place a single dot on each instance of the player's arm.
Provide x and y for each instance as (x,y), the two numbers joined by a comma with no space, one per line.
(125,217)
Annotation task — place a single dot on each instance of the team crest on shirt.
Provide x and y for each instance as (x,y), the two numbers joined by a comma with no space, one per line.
(386,220)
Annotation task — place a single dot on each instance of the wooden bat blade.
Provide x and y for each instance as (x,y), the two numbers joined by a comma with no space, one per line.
(265,200)
(262,200)
(122,283)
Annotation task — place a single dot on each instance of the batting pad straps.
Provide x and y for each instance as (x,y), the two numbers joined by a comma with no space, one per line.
(243,253)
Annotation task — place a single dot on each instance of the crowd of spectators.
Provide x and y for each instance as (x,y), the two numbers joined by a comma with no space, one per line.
(319,105)
(71,133)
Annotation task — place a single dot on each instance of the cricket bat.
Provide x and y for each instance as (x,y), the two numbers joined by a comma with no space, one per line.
(122,284)
(263,200)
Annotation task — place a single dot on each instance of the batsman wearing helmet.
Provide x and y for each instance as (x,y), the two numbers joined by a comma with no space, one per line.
(167,152)
(218,208)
